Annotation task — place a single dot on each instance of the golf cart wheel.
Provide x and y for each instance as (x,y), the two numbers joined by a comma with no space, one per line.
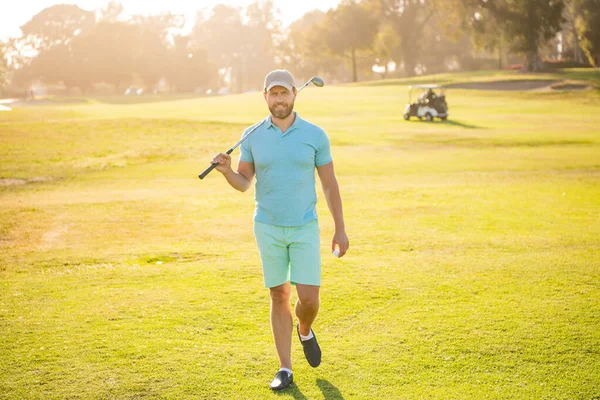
(443,118)
(406,117)
(428,117)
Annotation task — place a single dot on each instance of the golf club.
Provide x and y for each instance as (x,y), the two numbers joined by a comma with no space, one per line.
(318,82)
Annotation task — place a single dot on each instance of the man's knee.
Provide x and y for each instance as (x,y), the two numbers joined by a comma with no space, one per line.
(281,293)
(309,298)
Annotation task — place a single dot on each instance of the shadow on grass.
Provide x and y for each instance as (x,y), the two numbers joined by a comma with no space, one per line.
(329,391)
(451,122)
(461,124)
(294,391)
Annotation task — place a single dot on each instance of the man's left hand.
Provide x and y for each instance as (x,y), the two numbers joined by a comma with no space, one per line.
(341,240)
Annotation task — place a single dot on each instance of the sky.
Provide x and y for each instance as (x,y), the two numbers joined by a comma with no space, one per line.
(21,11)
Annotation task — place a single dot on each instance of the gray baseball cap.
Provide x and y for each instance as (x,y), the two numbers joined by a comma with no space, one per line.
(279,77)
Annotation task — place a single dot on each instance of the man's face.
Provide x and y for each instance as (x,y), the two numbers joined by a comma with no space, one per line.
(280,101)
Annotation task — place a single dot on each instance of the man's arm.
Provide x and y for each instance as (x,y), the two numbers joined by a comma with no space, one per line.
(331,190)
(240,180)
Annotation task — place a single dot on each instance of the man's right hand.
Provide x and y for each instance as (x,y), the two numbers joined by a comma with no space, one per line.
(223,162)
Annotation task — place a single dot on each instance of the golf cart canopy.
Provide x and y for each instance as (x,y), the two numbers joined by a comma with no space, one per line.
(427,86)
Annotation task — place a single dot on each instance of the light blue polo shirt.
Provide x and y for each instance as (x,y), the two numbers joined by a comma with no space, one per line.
(285,170)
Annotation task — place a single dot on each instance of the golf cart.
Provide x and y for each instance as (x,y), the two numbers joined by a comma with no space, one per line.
(429,104)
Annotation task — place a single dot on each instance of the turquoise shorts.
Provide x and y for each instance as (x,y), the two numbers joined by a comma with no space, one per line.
(289,253)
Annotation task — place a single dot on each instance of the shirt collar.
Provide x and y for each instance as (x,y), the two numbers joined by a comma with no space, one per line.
(294,125)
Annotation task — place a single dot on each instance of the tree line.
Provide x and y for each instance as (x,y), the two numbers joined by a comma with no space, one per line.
(235,47)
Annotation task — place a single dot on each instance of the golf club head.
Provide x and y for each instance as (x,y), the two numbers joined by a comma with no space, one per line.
(318,82)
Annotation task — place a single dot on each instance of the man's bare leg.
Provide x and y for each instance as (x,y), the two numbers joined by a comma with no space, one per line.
(282,323)
(307,307)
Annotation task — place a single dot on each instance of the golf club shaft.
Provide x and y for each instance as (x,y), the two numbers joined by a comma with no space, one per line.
(212,166)
(303,86)
(235,146)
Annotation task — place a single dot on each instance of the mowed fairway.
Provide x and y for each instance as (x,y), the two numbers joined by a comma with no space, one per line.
(473,271)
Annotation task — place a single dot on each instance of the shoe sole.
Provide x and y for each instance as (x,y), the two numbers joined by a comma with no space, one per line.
(283,388)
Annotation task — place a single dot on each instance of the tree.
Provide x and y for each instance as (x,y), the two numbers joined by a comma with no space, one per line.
(588,29)
(111,12)
(241,46)
(258,52)
(222,35)
(57,25)
(52,65)
(3,67)
(570,33)
(527,24)
(20,52)
(44,51)
(189,67)
(409,18)
(386,46)
(296,50)
(108,52)
(151,49)
(348,29)
(487,33)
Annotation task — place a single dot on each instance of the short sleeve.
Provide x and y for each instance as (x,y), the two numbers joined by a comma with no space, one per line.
(245,152)
(323,155)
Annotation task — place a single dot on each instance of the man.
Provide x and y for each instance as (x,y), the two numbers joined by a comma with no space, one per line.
(430,96)
(283,154)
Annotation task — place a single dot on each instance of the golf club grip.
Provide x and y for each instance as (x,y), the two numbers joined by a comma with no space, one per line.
(207,171)
(211,167)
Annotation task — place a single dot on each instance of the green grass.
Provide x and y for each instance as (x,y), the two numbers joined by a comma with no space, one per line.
(473,272)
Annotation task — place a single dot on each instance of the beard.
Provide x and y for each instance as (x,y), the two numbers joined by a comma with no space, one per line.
(281,112)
